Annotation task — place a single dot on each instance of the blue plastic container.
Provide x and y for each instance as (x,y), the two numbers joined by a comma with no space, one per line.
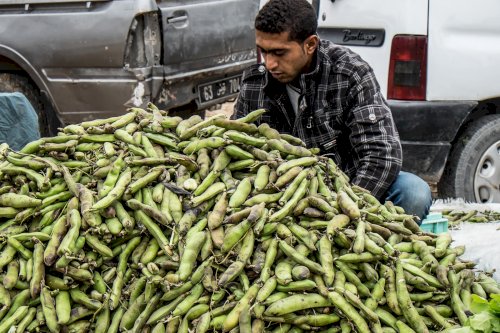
(435,222)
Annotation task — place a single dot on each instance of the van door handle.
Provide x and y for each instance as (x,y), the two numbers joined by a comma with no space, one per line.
(176,19)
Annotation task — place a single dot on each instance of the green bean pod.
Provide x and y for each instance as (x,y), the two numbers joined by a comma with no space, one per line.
(116,290)
(211,142)
(18,200)
(138,184)
(216,217)
(69,240)
(241,194)
(49,310)
(236,125)
(12,275)
(269,260)
(233,235)
(349,311)
(287,148)
(146,313)
(212,191)
(405,302)
(63,307)
(262,177)
(237,153)
(232,318)
(154,230)
(38,270)
(292,188)
(116,193)
(326,260)
(299,258)
(298,162)
(15,318)
(244,138)
(290,204)
(442,243)
(23,251)
(191,251)
(252,116)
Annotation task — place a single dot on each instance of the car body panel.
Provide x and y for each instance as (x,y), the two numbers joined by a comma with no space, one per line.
(356,20)
(92,59)
(462,51)
(427,130)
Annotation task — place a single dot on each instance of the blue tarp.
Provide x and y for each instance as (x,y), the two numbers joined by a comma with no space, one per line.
(18,120)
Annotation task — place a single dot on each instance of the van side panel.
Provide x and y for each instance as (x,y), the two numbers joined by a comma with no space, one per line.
(464,40)
(394,17)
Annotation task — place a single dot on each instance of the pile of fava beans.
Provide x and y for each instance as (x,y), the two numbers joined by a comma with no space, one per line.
(153,223)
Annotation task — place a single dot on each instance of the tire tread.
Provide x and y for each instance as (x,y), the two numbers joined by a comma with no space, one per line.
(457,179)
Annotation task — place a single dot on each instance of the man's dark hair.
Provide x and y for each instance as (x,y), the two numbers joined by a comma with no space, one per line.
(297,17)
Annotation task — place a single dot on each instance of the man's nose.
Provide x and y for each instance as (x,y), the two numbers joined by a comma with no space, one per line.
(270,62)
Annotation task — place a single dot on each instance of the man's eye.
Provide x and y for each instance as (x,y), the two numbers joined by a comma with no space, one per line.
(279,53)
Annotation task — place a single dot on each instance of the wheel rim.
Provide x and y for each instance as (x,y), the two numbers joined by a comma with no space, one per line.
(487,175)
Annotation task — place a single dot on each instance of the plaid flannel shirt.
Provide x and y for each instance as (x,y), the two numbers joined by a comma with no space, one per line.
(341,111)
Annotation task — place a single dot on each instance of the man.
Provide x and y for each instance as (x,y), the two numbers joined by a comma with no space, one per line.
(329,97)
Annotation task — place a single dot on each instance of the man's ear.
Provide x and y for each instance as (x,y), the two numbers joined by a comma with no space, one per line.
(311,43)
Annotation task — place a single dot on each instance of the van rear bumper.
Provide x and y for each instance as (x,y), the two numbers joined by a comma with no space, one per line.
(427,130)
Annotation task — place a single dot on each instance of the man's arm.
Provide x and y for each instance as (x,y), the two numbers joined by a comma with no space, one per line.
(250,92)
(374,138)
(241,108)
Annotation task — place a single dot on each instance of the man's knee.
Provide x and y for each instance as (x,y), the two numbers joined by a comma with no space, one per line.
(412,193)
(419,189)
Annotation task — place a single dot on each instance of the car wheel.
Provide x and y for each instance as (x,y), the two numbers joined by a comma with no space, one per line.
(473,169)
(47,121)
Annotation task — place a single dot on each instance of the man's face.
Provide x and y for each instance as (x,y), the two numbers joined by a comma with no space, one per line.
(285,59)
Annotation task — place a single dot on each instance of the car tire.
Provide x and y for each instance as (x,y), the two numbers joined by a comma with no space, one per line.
(10,82)
(473,169)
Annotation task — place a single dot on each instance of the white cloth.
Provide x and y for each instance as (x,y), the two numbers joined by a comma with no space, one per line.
(481,240)
(482,244)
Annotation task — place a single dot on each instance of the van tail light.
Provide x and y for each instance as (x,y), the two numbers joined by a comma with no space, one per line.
(408,68)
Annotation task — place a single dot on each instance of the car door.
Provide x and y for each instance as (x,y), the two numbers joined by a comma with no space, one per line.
(206,46)
(203,34)
(74,51)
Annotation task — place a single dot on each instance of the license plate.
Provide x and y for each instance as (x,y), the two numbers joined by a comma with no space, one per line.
(219,89)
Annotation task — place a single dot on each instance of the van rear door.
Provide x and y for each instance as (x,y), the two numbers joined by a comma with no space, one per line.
(463,40)
(352,23)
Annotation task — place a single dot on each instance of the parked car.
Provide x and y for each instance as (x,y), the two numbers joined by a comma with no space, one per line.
(77,60)
(437,64)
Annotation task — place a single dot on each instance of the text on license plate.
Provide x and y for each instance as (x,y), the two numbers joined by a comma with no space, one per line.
(219,89)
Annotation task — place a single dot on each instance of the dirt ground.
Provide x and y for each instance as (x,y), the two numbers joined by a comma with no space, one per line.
(226,108)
